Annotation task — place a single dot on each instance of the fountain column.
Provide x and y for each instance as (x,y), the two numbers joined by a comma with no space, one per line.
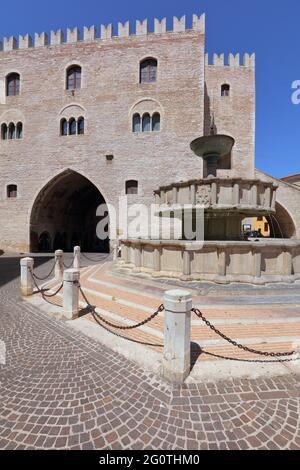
(221,262)
(157,259)
(257,258)
(186,264)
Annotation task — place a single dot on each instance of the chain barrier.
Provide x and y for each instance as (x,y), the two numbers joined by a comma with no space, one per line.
(253,361)
(112,325)
(118,335)
(46,277)
(40,291)
(69,266)
(198,313)
(96,260)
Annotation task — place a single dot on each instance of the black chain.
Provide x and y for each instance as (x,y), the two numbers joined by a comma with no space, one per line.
(253,361)
(43,278)
(112,325)
(240,346)
(132,340)
(68,267)
(96,260)
(41,291)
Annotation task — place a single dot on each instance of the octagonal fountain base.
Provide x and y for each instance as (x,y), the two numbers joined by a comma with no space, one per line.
(262,262)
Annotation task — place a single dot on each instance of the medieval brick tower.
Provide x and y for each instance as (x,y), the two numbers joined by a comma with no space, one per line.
(87,120)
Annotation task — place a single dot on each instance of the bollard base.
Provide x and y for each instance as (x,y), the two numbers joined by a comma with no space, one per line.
(71,294)
(174,376)
(26,292)
(71,315)
(177,336)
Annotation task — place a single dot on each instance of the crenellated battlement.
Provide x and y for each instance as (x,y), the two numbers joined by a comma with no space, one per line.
(106,32)
(232,61)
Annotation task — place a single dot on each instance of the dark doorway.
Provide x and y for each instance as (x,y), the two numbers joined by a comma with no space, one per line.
(64,215)
(45,243)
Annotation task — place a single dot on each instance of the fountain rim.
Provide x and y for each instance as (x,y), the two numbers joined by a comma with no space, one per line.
(212,137)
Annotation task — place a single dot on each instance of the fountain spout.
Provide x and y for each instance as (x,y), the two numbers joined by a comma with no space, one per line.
(211,148)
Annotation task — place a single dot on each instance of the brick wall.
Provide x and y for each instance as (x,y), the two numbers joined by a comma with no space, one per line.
(110,91)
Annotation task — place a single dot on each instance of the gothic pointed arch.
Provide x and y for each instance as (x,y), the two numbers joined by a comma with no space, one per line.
(66,208)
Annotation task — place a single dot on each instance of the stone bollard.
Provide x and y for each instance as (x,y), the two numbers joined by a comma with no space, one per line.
(177,337)
(116,250)
(71,293)
(27,284)
(76,263)
(59,264)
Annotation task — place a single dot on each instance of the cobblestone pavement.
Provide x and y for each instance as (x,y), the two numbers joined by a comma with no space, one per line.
(60,389)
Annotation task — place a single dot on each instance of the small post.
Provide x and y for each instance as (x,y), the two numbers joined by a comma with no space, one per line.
(26,277)
(116,250)
(59,264)
(76,263)
(177,337)
(71,293)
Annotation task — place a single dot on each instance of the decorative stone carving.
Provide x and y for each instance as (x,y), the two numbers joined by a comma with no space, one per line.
(203,196)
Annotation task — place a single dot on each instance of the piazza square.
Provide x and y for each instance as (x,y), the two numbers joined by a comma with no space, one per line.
(150,242)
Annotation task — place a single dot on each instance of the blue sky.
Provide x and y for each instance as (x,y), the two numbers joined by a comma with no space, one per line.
(271,29)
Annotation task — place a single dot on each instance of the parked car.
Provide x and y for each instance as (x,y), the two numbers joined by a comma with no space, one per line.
(253,234)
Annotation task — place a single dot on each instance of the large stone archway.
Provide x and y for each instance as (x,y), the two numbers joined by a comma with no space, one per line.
(286,223)
(64,215)
(281,224)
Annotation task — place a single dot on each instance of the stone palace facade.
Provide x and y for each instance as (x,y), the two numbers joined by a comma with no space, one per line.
(88,119)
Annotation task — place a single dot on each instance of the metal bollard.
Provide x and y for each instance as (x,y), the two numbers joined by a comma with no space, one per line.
(71,293)
(59,264)
(177,336)
(76,263)
(27,285)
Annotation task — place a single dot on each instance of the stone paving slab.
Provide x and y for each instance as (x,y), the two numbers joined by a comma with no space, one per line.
(266,328)
(62,389)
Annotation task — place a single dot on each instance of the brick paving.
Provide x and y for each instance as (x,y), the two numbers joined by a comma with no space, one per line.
(60,389)
(268,327)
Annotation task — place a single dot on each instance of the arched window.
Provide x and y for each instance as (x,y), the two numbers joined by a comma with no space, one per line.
(80,126)
(74,77)
(19,130)
(12,190)
(146,123)
(131,187)
(148,71)
(11,131)
(4,130)
(156,122)
(72,127)
(63,127)
(225,90)
(13,84)
(136,123)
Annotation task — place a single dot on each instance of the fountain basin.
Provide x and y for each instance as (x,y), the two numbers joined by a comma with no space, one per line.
(245,196)
(263,262)
(212,145)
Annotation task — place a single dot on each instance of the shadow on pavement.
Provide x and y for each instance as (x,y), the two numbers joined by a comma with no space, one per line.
(10,266)
(196,351)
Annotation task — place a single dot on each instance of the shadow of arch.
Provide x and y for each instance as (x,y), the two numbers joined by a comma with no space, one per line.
(65,209)
(281,224)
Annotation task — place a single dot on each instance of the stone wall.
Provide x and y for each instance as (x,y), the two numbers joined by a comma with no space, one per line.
(234,114)
(109,96)
(110,91)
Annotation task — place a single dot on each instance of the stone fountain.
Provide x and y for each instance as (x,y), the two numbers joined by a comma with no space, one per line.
(221,255)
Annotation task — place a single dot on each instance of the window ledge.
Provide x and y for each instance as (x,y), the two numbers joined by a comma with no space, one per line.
(146,134)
